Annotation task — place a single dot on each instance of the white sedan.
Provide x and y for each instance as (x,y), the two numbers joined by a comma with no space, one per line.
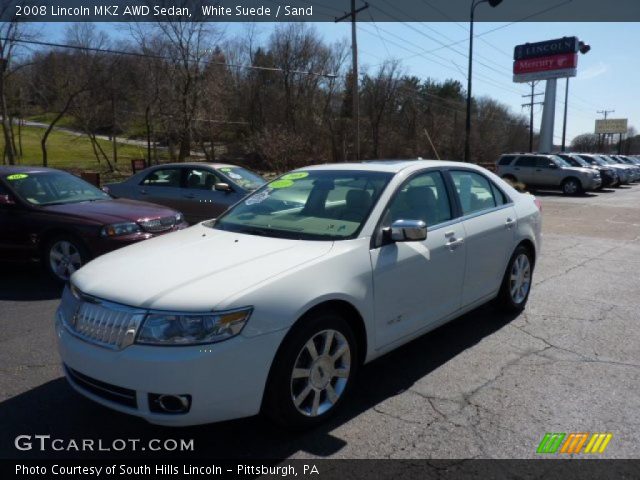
(275,305)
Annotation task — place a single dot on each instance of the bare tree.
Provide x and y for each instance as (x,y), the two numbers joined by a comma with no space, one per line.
(378,93)
(188,47)
(11,34)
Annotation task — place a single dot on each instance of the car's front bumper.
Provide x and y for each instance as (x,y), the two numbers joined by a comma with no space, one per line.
(225,380)
(593,183)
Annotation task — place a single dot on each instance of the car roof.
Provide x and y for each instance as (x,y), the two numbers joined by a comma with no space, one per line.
(9,169)
(390,166)
(194,164)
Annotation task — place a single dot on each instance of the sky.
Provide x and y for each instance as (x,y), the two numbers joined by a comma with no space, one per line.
(607,76)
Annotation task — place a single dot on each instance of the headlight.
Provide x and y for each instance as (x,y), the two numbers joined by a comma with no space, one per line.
(192,329)
(179,218)
(118,229)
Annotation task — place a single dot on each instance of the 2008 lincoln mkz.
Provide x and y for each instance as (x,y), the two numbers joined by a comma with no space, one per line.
(273,306)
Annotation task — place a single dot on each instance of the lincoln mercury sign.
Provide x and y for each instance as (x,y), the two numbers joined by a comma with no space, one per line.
(611,125)
(544,60)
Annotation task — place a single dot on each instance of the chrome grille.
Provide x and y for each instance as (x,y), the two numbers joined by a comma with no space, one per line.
(103,323)
(158,224)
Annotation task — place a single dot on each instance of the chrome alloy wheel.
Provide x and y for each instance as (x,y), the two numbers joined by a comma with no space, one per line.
(320,373)
(570,187)
(64,259)
(520,280)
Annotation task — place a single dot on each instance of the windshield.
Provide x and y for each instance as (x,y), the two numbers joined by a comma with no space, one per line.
(560,161)
(49,188)
(597,160)
(580,161)
(308,205)
(243,177)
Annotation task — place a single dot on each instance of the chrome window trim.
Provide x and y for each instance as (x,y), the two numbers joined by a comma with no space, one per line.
(485,212)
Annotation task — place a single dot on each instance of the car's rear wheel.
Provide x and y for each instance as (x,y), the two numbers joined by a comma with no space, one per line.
(516,284)
(63,255)
(313,371)
(571,186)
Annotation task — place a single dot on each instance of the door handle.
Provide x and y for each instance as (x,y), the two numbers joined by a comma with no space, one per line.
(143,192)
(189,195)
(510,222)
(455,243)
(449,234)
(516,168)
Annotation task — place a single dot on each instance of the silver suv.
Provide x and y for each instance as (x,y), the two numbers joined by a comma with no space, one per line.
(547,171)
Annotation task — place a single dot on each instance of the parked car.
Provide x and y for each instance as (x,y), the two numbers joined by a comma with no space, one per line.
(59,218)
(547,171)
(595,159)
(634,172)
(624,160)
(274,305)
(609,175)
(199,190)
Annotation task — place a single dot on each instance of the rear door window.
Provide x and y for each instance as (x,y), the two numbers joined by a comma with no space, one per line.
(526,162)
(475,191)
(165,177)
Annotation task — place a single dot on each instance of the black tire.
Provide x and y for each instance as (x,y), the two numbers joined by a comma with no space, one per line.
(77,256)
(278,402)
(572,186)
(505,300)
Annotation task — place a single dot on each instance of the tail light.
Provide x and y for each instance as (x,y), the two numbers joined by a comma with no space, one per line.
(538,204)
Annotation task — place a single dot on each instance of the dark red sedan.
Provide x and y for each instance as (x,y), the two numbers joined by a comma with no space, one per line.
(59,218)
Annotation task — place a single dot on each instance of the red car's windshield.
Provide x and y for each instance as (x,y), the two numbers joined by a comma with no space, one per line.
(49,188)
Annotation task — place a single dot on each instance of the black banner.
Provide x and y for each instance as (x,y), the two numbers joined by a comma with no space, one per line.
(325,469)
(317,10)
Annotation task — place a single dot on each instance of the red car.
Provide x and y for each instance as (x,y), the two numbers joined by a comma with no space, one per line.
(59,218)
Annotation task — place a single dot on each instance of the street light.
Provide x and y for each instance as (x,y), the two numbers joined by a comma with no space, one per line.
(582,48)
(467,138)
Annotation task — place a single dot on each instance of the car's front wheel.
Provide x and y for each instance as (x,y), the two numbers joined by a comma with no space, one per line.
(571,186)
(64,255)
(517,280)
(312,372)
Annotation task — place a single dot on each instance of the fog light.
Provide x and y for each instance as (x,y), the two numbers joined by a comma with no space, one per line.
(171,404)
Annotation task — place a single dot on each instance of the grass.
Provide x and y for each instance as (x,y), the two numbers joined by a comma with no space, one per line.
(65,121)
(73,152)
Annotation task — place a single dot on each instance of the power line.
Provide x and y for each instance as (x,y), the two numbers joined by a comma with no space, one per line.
(161,57)
(488,80)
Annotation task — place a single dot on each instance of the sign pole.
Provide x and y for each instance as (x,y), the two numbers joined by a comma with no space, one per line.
(548,117)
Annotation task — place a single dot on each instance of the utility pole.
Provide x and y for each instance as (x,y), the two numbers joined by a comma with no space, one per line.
(530,105)
(603,137)
(354,70)
(564,124)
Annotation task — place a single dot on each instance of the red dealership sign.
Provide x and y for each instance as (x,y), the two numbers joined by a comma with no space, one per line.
(545,64)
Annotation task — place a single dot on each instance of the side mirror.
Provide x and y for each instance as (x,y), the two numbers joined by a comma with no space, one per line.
(6,200)
(408,231)
(222,187)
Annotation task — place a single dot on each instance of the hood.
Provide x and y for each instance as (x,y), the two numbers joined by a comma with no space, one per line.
(192,270)
(581,169)
(112,210)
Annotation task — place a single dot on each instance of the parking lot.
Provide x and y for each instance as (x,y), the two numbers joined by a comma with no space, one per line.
(485,385)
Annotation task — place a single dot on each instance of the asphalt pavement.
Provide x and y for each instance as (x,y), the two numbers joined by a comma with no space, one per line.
(484,386)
